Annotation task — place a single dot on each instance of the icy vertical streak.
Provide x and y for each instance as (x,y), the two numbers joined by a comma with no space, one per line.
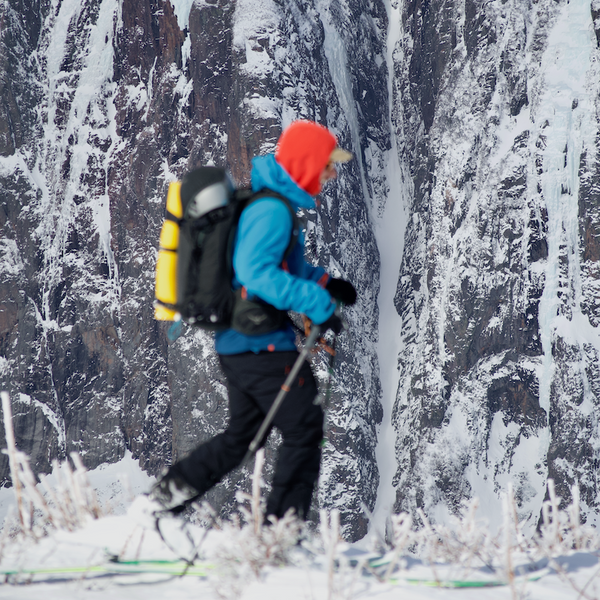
(85,121)
(95,79)
(565,118)
(55,212)
(337,59)
(79,134)
(12,450)
(182,10)
(389,233)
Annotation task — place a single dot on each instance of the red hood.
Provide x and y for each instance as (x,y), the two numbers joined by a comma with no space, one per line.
(303,151)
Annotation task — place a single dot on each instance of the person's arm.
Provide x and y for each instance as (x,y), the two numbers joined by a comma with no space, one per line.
(264,233)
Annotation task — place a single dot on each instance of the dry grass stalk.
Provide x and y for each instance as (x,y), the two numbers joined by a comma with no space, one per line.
(330,535)
(12,451)
(65,505)
(402,538)
(508,546)
(257,513)
(249,545)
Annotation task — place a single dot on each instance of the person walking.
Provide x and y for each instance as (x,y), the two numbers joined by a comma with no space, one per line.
(269,267)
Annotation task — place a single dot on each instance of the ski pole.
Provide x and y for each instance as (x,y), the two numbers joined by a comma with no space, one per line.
(285,388)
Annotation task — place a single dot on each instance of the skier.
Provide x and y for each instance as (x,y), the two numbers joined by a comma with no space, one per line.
(256,365)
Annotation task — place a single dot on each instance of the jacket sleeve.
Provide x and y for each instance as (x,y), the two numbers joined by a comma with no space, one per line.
(313,273)
(264,233)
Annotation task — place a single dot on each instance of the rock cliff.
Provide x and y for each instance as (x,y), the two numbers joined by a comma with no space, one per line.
(499,279)
(104,103)
(474,195)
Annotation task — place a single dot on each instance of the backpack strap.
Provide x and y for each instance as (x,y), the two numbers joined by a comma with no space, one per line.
(253,316)
(267,193)
(169,216)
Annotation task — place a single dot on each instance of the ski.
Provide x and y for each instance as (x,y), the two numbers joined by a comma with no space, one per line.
(450,583)
(462,583)
(176,568)
(377,565)
(172,567)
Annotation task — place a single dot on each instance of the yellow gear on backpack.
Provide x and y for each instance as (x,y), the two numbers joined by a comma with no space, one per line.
(165,291)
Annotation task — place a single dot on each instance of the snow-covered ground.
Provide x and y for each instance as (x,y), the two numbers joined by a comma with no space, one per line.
(236,561)
(116,485)
(307,576)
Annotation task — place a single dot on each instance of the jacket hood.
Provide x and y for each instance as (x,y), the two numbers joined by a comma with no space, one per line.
(268,173)
(303,150)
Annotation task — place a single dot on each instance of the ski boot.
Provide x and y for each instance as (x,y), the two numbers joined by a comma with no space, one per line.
(172,494)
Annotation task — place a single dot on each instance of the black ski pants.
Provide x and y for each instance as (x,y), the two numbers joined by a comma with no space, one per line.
(253,383)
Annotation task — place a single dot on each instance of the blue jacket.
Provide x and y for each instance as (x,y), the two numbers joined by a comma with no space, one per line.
(264,232)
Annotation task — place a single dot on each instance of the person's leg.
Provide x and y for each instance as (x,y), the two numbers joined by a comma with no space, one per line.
(192,476)
(301,424)
(207,464)
(253,383)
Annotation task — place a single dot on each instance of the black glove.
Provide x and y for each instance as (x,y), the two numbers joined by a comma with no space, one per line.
(341,290)
(334,323)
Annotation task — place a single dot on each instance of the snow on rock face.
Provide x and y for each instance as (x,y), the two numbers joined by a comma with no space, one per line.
(107,102)
(478,126)
(498,286)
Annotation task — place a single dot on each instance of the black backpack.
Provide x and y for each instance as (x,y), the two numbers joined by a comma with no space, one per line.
(194,268)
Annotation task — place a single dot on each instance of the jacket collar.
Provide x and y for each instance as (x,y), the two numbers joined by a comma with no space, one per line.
(268,173)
